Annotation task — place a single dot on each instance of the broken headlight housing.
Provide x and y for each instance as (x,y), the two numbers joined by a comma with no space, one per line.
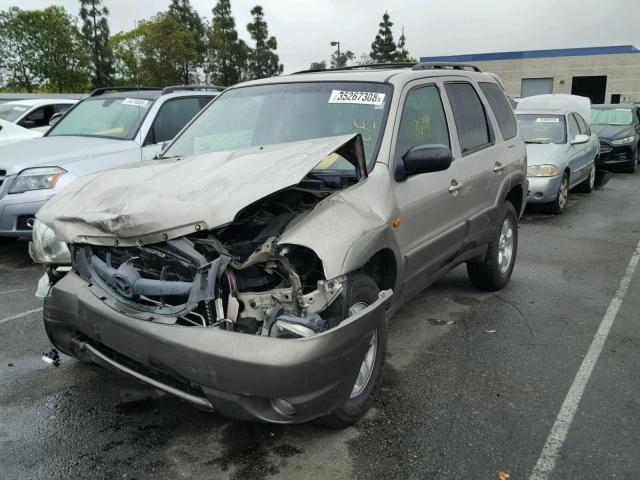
(45,248)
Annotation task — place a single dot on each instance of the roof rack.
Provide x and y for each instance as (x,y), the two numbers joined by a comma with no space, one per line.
(445,66)
(177,88)
(102,91)
(357,67)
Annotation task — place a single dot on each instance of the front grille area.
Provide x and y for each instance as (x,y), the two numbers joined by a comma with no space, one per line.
(150,262)
(170,278)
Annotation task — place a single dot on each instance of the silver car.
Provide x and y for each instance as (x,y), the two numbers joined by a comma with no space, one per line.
(561,155)
(250,269)
(113,127)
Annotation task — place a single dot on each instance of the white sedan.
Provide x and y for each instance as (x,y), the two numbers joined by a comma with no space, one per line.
(34,113)
(11,133)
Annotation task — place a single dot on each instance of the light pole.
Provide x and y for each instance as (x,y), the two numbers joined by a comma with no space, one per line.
(333,44)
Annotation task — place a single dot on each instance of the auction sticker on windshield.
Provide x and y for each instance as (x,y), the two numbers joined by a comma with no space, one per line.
(547,120)
(363,98)
(137,102)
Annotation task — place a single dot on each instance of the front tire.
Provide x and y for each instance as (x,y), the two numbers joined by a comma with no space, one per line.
(363,292)
(633,163)
(558,205)
(494,272)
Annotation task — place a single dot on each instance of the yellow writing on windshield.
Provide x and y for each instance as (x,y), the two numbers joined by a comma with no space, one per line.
(365,130)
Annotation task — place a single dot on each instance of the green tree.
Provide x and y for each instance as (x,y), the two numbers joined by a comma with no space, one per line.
(318,65)
(342,61)
(17,58)
(227,55)
(43,49)
(187,16)
(165,46)
(125,47)
(364,59)
(402,54)
(263,60)
(95,30)
(383,48)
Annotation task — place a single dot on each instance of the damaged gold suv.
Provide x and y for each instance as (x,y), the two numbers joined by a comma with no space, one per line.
(251,268)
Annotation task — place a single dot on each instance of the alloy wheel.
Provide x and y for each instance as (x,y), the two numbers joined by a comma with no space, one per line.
(505,245)
(563,194)
(366,369)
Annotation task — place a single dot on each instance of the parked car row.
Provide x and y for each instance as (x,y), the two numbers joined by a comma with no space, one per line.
(561,148)
(113,127)
(250,267)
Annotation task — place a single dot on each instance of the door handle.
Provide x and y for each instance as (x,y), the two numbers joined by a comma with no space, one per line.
(498,167)
(454,187)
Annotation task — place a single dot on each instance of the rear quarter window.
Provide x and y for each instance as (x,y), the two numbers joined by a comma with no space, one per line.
(501,109)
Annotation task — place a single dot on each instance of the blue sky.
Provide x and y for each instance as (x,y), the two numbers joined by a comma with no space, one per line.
(304,28)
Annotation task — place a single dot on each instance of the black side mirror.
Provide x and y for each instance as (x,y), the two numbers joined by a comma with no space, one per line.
(423,159)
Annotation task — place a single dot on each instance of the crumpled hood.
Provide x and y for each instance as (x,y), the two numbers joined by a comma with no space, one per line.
(165,199)
(613,132)
(59,151)
(543,153)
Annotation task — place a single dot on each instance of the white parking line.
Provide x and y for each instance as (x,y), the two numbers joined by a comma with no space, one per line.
(20,315)
(6,292)
(547,461)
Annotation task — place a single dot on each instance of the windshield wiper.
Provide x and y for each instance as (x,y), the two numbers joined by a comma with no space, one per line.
(537,142)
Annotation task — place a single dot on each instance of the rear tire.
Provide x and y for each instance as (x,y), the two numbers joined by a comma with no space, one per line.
(494,272)
(363,291)
(589,184)
(633,163)
(558,205)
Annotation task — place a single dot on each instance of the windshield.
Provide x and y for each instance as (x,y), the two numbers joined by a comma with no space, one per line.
(10,113)
(611,116)
(270,114)
(543,128)
(117,118)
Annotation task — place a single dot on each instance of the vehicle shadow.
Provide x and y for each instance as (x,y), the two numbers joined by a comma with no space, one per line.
(15,254)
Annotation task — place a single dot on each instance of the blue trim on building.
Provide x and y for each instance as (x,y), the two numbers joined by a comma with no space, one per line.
(560,52)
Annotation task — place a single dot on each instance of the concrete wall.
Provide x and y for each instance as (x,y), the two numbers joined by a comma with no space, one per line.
(622,71)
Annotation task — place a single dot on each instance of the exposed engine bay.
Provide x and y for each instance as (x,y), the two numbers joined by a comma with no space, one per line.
(236,277)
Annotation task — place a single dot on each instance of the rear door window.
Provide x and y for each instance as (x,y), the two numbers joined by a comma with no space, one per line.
(423,120)
(501,109)
(471,121)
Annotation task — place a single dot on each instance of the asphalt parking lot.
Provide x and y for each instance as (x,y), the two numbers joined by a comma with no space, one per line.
(473,385)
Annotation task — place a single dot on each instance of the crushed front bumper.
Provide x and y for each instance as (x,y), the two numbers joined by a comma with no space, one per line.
(239,375)
(543,189)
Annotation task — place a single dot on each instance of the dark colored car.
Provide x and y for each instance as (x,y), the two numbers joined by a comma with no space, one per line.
(618,127)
